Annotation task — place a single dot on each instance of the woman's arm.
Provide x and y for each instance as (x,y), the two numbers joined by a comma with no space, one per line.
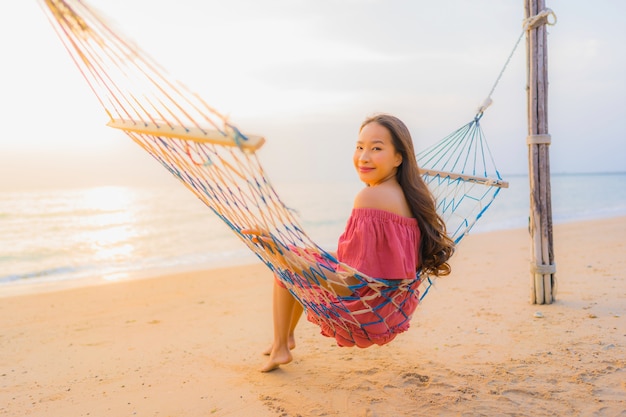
(338,283)
(298,260)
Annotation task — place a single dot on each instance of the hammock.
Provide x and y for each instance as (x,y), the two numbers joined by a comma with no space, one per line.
(217,162)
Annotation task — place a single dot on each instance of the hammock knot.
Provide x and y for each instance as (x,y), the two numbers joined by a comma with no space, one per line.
(246,143)
(488,101)
(239,138)
(541,18)
(481,110)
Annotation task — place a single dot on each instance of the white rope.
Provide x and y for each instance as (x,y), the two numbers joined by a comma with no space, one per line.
(538,139)
(541,18)
(543,269)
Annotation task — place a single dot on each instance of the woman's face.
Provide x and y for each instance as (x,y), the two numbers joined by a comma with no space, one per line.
(375,158)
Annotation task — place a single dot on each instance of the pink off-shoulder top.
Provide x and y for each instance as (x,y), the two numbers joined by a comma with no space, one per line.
(382,245)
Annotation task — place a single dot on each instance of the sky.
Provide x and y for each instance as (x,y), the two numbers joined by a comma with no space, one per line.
(305,73)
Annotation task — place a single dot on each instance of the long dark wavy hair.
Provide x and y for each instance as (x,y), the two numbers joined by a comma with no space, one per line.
(436,247)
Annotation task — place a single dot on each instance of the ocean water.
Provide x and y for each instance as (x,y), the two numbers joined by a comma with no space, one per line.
(119,232)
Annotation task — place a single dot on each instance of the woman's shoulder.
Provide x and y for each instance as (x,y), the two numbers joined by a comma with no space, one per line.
(386,198)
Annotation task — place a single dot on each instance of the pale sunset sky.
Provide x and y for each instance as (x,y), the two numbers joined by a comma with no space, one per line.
(305,73)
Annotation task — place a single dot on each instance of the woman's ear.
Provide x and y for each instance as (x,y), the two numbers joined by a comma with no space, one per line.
(398,159)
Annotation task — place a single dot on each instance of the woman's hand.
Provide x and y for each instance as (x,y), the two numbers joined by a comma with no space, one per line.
(300,261)
(290,258)
(262,237)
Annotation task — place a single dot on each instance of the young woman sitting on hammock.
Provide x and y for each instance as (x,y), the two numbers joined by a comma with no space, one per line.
(394,232)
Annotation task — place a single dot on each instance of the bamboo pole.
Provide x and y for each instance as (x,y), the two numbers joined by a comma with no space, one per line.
(542,268)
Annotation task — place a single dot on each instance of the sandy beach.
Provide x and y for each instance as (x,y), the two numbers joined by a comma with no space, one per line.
(190,344)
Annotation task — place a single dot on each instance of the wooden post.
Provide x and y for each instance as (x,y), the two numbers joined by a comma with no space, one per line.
(542,267)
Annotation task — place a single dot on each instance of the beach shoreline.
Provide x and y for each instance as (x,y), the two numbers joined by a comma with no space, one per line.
(189,343)
(31,286)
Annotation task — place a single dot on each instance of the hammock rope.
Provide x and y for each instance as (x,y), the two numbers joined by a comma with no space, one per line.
(541,18)
(219,165)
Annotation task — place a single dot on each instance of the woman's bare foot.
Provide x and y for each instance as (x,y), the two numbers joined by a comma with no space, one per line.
(277,358)
(292,346)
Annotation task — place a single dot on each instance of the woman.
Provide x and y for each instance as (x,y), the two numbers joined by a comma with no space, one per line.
(394,232)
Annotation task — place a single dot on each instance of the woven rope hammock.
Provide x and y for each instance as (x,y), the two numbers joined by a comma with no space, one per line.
(218,163)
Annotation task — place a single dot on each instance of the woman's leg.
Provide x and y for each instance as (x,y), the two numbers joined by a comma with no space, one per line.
(286,313)
(291,338)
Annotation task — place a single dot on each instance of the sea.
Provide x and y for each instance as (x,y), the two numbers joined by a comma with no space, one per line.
(118,232)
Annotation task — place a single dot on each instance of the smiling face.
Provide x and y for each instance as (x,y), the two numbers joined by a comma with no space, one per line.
(375,157)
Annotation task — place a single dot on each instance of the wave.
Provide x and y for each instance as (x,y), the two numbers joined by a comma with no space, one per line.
(45,273)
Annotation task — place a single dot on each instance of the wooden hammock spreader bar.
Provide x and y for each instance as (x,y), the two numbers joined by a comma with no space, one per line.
(229,138)
(471,178)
